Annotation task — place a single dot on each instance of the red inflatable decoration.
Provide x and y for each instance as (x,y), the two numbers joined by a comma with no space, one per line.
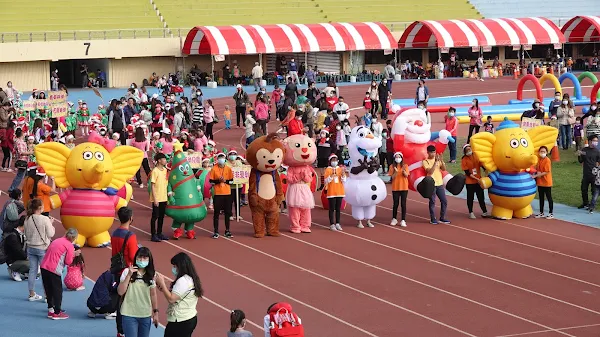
(536,84)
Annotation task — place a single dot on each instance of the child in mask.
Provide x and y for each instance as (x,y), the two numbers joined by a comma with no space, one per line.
(227,117)
(452,126)
(249,124)
(383,152)
(335,177)
(596,173)
(543,178)
(578,134)
(399,176)
(488,126)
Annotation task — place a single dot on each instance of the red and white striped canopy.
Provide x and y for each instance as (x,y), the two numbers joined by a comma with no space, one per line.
(289,38)
(582,29)
(485,32)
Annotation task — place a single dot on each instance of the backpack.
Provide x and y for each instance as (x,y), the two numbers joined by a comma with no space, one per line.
(3,255)
(12,211)
(284,322)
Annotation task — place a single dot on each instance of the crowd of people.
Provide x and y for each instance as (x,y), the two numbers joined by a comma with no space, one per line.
(128,292)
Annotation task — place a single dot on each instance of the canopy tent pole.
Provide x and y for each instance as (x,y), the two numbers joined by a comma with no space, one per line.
(212,67)
(306,64)
(351,62)
(260,59)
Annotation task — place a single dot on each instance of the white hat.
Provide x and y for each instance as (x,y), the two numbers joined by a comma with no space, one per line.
(398,153)
(70,137)
(166,131)
(31,138)
(238,86)
(156,134)
(154,95)
(116,135)
(466,145)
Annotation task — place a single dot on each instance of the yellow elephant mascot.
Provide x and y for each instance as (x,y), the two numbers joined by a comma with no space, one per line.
(506,155)
(96,171)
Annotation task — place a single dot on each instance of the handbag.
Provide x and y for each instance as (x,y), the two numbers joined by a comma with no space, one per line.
(38,230)
(117,262)
(20,164)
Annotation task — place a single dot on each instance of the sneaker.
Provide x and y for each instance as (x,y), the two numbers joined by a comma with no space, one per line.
(155,238)
(338,227)
(211,207)
(80,288)
(51,312)
(541,215)
(90,314)
(228,235)
(191,234)
(582,206)
(60,315)
(445,221)
(34,298)
(120,334)
(485,215)
(232,218)
(16,276)
(472,216)
(369,224)
(177,233)
(433,221)
(394,222)
(402,223)
(591,211)
(162,237)
(215,236)
(141,185)
(550,216)
(360,225)
(110,316)
(333,228)
(284,211)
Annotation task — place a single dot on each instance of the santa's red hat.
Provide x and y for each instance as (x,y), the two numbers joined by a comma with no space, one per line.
(31,166)
(40,171)
(232,151)
(331,156)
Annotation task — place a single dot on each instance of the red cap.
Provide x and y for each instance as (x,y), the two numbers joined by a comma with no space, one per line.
(41,171)
(31,166)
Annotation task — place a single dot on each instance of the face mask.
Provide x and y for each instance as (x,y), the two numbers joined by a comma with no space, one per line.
(384,134)
(557,97)
(536,105)
(398,160)
(543,155)
(174,271)
(593,107)
(473,103)
(374,120)
(334,163)
(141,264)
(221,161)
(469,153)
(452,114)
(338,127)
(132,87)
(299,118)
(248,116)
(232,158)
(565,102)
(421,107)
(198,93)
(594,144)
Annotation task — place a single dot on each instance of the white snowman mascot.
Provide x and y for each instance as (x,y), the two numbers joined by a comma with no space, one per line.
(364,189)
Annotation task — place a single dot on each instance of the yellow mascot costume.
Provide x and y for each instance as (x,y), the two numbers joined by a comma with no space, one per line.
(95,170)
(506,155)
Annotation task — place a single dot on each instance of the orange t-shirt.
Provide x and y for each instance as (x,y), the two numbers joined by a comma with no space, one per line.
(227,174)
(227,114)
(335,188)
(43,193)
(471,164)
(544,165)
(399,182)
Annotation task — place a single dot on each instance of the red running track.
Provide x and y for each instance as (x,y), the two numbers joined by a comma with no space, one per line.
(471,278)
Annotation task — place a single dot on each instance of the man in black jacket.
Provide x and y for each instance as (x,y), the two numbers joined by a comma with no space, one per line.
(589,156)
(16,258)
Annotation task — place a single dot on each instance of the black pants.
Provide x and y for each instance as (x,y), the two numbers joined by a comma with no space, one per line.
(399,197)
(158,213)
(545,193)
(107,309)
(181,329)
(221,203)
(240,115)
(146,166)
(6,159)
(234,199)
(472,190)
(209,130)
(382,160)
(53,288)
(335,205)
(587,181)
(263,125)
(374,108)
(471,129)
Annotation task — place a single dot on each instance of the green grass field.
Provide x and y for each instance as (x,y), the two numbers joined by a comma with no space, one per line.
(566,175)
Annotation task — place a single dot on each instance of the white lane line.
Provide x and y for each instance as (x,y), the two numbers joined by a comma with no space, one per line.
(542,331)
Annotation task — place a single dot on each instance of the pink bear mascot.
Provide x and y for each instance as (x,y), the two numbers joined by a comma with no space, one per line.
(412,135)
(300,154)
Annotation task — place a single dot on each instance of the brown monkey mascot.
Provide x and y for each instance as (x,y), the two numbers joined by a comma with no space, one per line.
(265,193)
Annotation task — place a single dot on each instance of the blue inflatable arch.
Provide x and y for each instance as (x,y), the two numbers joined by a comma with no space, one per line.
(575,81)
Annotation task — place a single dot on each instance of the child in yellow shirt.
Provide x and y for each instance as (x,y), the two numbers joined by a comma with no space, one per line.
(227,115)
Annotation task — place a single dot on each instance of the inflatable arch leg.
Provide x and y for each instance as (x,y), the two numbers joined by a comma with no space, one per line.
(553,79)
(536,84)
(577,87)
(595,92)
(592,77)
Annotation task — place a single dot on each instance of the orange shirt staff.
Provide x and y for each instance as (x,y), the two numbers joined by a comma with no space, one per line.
(399,175)
(543,178)
(334,184)
(221,176)
(471,165)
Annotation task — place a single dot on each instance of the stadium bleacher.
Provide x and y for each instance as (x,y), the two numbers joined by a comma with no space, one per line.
(552,9)
(44,20)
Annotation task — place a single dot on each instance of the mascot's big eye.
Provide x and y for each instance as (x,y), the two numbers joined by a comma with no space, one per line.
(524,142)
(297,145)
(87,155)
(310,144)
(514,143)
(181,169)
(187,167)
(99,156)
(361,135)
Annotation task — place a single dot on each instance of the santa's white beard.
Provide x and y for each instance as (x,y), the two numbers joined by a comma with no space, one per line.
(417,138)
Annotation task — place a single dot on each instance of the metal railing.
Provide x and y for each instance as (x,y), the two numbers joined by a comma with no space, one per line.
(402,25)
(109,34)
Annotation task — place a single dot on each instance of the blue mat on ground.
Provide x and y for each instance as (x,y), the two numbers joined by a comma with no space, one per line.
(405,102)
(578,102)
(19,317)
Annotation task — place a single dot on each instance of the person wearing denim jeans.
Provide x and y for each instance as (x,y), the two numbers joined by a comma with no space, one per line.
(434,165)
(136,326)
(17,180)
(39,232)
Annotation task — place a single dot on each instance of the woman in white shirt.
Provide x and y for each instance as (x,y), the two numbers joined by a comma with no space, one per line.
(182,295)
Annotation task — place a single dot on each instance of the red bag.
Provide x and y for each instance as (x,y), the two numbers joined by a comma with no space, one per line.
(284,322)
(325,202)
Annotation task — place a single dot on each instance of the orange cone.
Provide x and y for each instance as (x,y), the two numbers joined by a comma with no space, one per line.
(516,74)
(555,156)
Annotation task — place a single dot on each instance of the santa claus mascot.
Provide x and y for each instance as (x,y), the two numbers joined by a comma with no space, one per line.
(364,189)
(412,134)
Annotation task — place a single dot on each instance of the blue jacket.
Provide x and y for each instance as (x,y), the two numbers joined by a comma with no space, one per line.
(104,291)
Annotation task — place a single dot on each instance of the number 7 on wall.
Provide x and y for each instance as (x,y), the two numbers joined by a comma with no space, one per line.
(87,49)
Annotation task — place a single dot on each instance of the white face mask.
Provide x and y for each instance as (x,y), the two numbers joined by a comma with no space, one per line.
(536,105)
(469,153)
(557,97)
(543,155)
(374,120)
(334,163)
(451,114)
(338,127)
(384,135)
(421,107)
(565,102)
(398,160)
